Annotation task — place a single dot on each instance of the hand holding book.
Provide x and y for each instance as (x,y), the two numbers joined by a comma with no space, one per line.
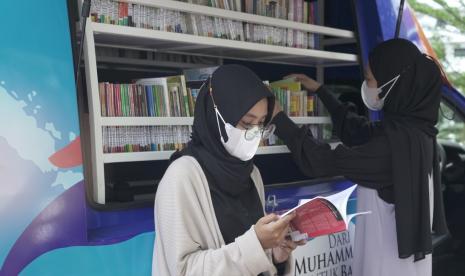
(310,84)
(272,232)
(321,215)
(271,229)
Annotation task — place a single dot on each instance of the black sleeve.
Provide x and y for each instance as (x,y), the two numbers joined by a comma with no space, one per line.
(281,268)
(368,165)
(351,128)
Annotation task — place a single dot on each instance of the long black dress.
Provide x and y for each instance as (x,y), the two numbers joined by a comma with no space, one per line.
(368,164)
(394,162)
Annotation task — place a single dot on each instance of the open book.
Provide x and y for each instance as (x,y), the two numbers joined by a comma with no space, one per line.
(321,215)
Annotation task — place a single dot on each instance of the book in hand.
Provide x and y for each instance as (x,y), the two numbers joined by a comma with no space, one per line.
(321,215)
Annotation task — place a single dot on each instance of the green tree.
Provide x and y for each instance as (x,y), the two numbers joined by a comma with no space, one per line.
(446,15)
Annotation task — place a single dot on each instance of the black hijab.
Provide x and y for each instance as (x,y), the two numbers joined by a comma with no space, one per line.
(235,89)
(410,115)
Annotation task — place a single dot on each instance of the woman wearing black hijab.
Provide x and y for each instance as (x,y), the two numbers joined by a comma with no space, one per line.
(209,215)
(394,161)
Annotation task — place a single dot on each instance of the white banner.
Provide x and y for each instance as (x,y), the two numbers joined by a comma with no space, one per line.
(330,255)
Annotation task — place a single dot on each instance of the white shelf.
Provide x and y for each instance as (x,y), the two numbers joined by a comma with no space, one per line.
(170,42)
(148,63)
(311,120)
(136,156)
(164,155)
(184,121)
(272,150)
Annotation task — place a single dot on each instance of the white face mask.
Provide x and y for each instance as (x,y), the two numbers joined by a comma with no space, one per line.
(372,96)
(237,145)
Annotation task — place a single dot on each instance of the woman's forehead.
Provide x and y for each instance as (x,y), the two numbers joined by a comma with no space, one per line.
(258,111)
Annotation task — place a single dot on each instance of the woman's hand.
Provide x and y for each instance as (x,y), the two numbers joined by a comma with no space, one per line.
(271,230)
(282,252)
(309,83)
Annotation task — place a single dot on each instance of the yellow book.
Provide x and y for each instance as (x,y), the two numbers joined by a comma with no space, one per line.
(310,105)
(288,84)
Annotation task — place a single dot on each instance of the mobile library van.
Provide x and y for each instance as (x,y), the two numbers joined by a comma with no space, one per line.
(80,164)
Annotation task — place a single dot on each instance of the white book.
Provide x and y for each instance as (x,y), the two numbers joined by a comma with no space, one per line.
(248,36)
(105,139)
(147,11)
(201,25)
(226,5)
(164,137)
(193,24)
(179,132)
(112,139)
(130,14)
(150,17)
(183,19)
(238,5)
(140,137)
(221,28)
(94,8)
(105,11)
(311,41)
(304,101)
(210,24)
(136,16)
(142,16)
(158,19)
(154,134)
(147,138)
(160,136)
(232,30)
(169,137)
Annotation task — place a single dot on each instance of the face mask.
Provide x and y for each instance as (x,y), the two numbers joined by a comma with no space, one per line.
(374,98)
(237,144)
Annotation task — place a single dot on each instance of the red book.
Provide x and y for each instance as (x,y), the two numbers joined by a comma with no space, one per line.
(118,100)
(321,215)
(112,105)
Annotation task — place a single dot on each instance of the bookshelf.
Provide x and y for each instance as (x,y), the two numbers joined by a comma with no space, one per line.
(128,37)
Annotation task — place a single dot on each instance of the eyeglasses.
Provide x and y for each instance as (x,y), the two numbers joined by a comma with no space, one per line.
(259,131)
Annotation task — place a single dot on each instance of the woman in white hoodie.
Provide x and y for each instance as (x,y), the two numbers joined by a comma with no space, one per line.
(209,207)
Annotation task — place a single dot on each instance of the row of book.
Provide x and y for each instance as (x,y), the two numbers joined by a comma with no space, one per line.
(175,96)
(157,97)
(140,16)
(153,138)
(293,10)
(144,138)
(294,101)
